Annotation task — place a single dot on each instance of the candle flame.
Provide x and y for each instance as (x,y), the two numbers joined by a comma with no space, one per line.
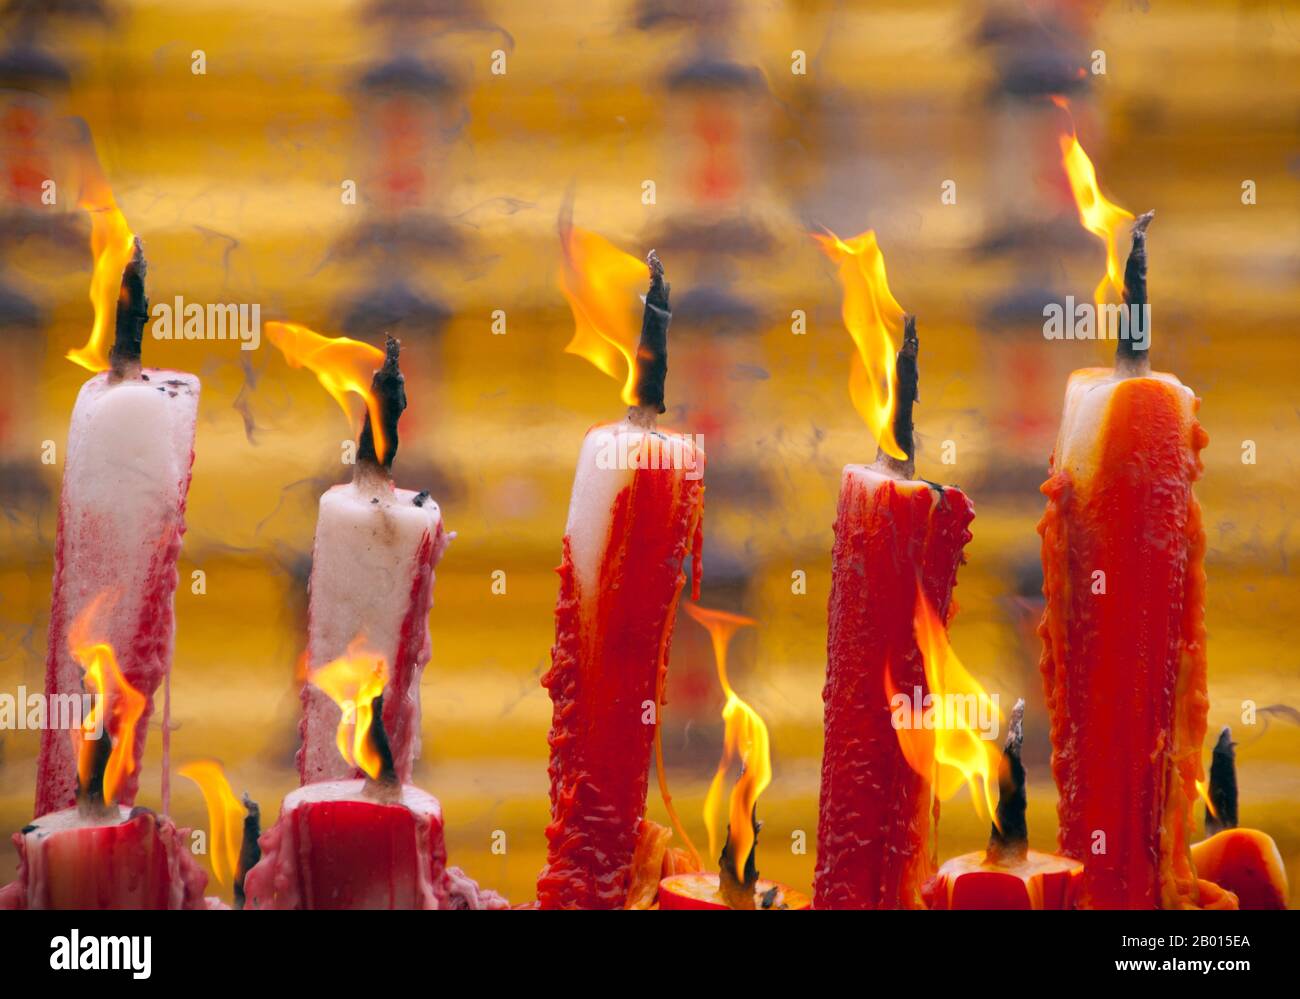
(602,283)
(1203,789)
(225,816)
(874,320)
(353,681)
(117,707)
(111,246)
(960,756)
(745,740)
(341,364)
(1099,216)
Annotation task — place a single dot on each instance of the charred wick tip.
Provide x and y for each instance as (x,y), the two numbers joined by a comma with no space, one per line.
(90,797)
(1223,785)
(1135,298)
(132,314)
(652,353)
(389,387)
(379,737)
(250,851)
(1009,837)
(739,894)
(909,388)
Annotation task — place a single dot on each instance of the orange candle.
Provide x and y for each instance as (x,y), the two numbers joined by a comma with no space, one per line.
(1123,630)
(1245,862)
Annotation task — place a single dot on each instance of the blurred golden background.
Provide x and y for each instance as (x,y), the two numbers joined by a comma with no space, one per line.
(462,126)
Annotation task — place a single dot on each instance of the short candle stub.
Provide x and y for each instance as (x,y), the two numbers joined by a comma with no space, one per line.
(1128,357)
(389,388)
(1222,813)
(908,380)
(250,851)
(132,314)
(652,353)
(1009,837)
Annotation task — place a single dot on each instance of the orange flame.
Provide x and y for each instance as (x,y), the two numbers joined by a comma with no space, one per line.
(353,681)
(875,322)
(117,708)
(1203,789)
(225,816)
(341,364)
(602,283)
(1099,216)
(960,756)
(746,739)
(111,246)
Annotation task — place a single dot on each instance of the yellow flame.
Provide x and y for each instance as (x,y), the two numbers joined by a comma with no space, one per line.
(1099,216)
(341,364)
(353,681)
(875,321)
(111,246)
(117,707)
(603,285)
(1203,789)
(960,756)
(225,816)
(746,740)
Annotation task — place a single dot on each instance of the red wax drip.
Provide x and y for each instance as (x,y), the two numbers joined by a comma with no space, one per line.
(1124,671)
(875,809)
(603,675)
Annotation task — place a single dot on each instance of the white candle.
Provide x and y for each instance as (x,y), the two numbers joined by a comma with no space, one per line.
(121,519)
(372,578)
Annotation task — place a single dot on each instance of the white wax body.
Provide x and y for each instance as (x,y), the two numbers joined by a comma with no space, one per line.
(603,471)
(121,518)
(1088,394)
(371,578)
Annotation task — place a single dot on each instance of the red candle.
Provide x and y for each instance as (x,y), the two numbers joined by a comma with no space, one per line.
(369,843)
(891,529)
(99,853)
(746,746)
(118,858)
(635,514)
(1245,862)
(1008,875)
(1123,630)
(703,891)
(374,555)
(122,506)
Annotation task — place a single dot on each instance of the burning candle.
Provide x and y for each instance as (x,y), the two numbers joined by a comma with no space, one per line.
(1008,875)
(891,529)
(745,743)
(233,826)
(122,507)
(636,512)
(375,551)
(373,842)
(1123,629)
(101,853)
(1245,862)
